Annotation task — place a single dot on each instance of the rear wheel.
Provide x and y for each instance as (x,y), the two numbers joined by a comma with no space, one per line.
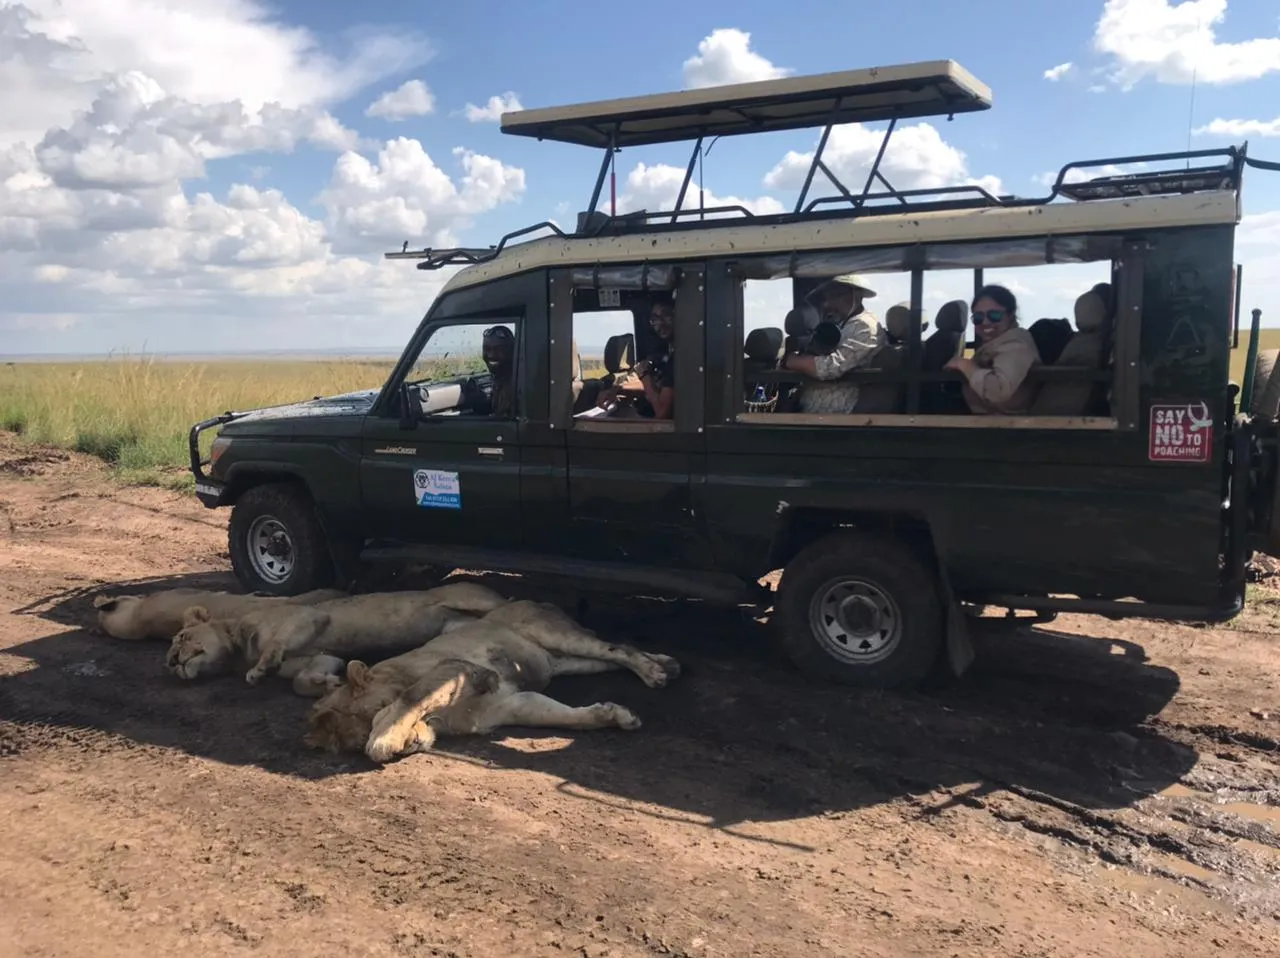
(861,610)
(276,542)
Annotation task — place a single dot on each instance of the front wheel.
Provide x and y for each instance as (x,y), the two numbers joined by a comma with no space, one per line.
(276,543)
(863,611)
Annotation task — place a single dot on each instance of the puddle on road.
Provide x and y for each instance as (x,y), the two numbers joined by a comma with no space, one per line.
(1267,814)
(1180,866)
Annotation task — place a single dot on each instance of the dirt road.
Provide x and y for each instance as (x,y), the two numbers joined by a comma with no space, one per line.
(1095,789)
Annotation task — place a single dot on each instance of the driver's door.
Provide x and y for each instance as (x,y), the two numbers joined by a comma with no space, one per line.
(454,477)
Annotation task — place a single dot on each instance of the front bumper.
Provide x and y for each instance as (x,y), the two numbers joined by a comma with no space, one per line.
(209,491)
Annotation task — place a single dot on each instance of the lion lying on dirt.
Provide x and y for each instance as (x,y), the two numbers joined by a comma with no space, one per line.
(475,678)
(159,615)
(310,645)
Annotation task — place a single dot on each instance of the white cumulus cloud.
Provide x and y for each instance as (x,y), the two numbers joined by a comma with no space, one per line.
(656,187)
(917,157)
(113,117)
(1174,42)
(406,196)
(1239,129)
(492,111)
(725,56)
(54,55)
(411,98)
(1053,74)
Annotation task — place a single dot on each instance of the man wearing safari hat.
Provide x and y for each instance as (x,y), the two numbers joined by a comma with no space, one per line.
(839,300)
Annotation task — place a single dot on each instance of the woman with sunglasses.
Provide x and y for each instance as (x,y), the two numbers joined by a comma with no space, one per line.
(995,379)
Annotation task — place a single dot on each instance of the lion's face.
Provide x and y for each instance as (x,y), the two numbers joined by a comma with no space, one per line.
(202,647)
(342,719)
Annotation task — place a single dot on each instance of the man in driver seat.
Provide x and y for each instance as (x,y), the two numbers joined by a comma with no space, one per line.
(498,350)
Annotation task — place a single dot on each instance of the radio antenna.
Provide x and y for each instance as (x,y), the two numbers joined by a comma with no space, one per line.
(1191,109)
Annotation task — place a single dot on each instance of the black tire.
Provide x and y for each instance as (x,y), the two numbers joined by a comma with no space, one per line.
(289,509)
(1265,401)
(905,585)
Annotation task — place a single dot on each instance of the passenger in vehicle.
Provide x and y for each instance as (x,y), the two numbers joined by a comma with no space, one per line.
(656,372)
(839,300)
(498,349)
(995,379)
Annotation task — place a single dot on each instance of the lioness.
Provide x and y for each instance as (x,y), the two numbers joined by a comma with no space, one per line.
(310,645)
(159,615)
(480,676)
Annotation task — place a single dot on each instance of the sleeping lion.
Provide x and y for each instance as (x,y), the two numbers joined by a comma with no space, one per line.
(475,678)
(159,615)
(311,645)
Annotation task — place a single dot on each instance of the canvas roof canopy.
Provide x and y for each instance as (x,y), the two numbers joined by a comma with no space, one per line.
(933,88)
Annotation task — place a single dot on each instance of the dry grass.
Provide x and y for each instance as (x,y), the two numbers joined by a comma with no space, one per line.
(1267,339)
(135,413)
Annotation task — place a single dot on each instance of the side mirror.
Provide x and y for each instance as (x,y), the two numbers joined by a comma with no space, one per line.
(410,404)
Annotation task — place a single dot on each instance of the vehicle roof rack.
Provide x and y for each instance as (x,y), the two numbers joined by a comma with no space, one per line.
(933,88)
(823,100)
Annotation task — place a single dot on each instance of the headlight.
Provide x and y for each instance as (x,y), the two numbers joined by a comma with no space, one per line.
(219,446)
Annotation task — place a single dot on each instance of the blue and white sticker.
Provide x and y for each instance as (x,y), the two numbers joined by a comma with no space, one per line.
(437,490)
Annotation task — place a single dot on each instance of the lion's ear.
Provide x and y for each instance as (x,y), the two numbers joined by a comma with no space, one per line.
(357,675)
(194,615)
(107,603)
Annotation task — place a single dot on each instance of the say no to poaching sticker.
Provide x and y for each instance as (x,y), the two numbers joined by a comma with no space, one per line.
(1180,432)
(437,490)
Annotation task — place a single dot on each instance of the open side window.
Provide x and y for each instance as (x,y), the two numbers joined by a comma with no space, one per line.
(911,355)
(634,338)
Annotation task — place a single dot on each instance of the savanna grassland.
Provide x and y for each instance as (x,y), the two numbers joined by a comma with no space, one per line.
(135,412)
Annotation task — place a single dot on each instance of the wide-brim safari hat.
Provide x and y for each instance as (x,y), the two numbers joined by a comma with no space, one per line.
(854,280)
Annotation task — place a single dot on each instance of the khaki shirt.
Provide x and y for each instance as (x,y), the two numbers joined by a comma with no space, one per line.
(999,384)
(861,338)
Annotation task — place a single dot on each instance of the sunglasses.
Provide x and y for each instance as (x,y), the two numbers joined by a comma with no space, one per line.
(990,316)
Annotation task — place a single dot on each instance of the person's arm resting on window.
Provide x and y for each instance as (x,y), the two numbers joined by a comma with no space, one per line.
(1010,363)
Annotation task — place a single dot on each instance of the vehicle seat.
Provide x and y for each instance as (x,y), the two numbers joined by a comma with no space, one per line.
(762,349)
(575,370)
(1051,336)
(950,325)
(947,341)
(1083,350)
(618,358)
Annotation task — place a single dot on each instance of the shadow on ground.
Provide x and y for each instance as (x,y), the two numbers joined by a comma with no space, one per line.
(740,736)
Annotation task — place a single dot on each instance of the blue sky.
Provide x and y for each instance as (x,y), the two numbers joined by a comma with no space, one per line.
(106,242)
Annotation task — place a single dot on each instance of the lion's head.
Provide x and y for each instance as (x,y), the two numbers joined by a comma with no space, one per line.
(341,720)
(202,647)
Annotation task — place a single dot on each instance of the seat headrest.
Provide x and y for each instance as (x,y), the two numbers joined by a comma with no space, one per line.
(618,351)
(897,321)
(1091,312)
(1108,294)
(575,363)
(802,320)
(764,345)
(953,317)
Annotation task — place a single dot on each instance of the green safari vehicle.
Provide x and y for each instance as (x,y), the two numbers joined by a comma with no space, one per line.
(684,459)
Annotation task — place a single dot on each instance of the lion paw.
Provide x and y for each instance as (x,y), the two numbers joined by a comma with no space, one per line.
(669,665)
(255,675)
(621,716)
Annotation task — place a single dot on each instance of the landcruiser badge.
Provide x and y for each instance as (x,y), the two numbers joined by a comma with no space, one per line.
(397,450)
(437,490)
(1180,432)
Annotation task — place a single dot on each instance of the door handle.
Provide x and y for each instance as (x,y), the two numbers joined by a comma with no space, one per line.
(490,451)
